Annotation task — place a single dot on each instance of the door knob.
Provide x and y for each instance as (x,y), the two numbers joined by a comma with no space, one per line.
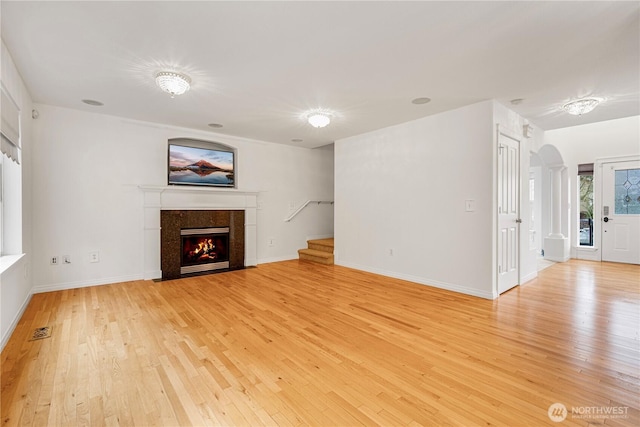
(606,219)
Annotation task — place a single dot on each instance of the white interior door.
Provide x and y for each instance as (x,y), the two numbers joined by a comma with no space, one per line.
(508,212)
(621,212)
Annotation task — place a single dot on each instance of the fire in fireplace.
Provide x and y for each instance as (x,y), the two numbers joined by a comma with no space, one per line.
(204,249)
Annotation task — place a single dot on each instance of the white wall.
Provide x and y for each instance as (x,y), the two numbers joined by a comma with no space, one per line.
(87,169)
(585,144)
(403,189)
(15,280)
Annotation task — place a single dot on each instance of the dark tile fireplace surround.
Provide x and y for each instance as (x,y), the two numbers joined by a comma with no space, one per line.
(173,221)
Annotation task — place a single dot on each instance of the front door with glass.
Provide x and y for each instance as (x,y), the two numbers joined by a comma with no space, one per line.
(621,212)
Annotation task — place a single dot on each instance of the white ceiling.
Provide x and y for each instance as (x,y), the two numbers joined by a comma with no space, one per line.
(256,66)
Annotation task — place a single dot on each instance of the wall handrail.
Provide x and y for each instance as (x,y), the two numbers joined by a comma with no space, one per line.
(308,202)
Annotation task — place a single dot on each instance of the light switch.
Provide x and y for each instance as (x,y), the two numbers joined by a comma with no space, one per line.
(470,205)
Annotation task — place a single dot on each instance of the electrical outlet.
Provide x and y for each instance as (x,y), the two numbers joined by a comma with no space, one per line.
(94,256)
(66,259)
(53,260)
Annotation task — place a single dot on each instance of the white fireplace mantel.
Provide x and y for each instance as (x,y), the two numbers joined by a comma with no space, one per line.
(157,198)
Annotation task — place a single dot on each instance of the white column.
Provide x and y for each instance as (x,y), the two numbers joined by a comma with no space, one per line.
(556,202)
(556,245)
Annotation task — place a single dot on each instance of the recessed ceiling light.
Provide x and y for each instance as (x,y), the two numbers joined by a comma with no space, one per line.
(581,106)
(419,101)
(173,83)
(516,101)
(214,125)
(297,140)
(93,102)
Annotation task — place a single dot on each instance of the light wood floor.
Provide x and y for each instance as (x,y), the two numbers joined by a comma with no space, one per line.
(295,343)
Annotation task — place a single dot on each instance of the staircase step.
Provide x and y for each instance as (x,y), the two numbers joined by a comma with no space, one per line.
(324,245)
(321,257)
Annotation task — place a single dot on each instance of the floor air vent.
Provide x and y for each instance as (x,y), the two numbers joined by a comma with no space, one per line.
(41,333)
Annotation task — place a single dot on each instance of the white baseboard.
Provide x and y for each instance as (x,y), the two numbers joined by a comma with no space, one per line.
(557,259)
(589,254)
(421,280)
(529,277)
(85,283)
(15,321)
(153,274)
(277,259)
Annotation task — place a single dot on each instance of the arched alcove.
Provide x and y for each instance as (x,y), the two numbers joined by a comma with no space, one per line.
(549,156)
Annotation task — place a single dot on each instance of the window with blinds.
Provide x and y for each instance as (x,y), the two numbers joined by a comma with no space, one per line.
(9,127)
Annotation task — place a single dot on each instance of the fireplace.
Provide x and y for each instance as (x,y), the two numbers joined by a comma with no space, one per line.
(201,241)
(167,209)
(204,249)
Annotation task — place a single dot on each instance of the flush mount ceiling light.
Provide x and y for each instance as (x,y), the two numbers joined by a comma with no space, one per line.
(318,118)
(173,83)
(582,106)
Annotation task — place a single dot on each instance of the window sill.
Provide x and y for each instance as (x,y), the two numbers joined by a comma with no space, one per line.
(8,261)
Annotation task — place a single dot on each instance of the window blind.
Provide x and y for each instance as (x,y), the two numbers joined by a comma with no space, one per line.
(585,169)
(9,127)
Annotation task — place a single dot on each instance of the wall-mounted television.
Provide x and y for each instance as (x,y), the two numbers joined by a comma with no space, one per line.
(193,162)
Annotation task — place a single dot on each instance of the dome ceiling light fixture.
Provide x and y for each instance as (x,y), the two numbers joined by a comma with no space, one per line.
(581,106)
(173,83)
(318,118)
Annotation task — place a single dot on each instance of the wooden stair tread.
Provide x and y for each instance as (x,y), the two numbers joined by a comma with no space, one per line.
(323,242)
(319,250)
(314,252)
(325,245)
(320,257)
